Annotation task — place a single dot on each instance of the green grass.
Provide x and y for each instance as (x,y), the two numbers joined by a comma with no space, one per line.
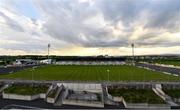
(26,89)
(52,93)
(90,73)
(169,62)
(137,95)
(174,93)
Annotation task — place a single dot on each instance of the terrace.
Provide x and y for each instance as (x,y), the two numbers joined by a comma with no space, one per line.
(25,89)
(137,95)
(52,93)
(174,93)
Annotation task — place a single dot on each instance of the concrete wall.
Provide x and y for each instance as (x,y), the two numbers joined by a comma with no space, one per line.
(20,97)
(145,105)
(50,100)
(119,100)
(171,86)
(83,103)
(53,100)
(176,100)
(82,87)
(25,97)
(42,95)
(133,86)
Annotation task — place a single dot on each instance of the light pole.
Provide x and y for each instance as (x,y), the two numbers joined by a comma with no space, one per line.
(108,74)
(132,45)
(32,75)
(49,45)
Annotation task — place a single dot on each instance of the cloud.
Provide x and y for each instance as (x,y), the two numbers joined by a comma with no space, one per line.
(11,23)
(69,20)
(90,24)
(166,14)
(78,23)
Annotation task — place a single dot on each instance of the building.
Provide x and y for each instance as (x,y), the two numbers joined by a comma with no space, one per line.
(46,61)
(25,62)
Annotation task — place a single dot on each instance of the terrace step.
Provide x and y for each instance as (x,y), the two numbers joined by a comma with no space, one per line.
(158,90)
(4,87)
(60,97)
(108,99)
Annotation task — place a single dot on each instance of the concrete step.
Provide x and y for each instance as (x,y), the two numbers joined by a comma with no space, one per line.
(158,90)
(108,99)
(4,87)
(60,98)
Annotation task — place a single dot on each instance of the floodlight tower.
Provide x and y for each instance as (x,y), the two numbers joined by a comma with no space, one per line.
(49,45)
(132,45)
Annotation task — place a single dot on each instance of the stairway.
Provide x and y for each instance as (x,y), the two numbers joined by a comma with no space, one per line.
(60,97)
(4,87)
(108,99)
(158,90)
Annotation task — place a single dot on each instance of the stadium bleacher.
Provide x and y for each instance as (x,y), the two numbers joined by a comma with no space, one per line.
(175,71)
(5,70)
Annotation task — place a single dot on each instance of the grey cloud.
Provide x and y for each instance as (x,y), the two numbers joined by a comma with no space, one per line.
(64,21)
(27,45)
(158,43)
(11,23)
(164,14)
(125,10)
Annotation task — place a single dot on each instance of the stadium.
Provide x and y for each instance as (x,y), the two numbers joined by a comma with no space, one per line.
(90,54)
(92,69)
(91,82)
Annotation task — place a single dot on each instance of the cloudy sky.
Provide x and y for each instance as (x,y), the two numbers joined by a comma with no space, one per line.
(89,27)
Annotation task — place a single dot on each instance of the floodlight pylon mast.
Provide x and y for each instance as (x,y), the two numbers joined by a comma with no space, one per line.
(48,51)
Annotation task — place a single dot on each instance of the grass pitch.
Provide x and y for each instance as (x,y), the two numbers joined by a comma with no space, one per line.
(90,73)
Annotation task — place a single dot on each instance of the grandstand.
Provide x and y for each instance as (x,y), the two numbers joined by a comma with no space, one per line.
(13,69)
(98,60)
